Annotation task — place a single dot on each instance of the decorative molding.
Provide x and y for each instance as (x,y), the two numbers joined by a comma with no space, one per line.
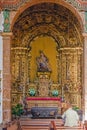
(15,4)
(4,34)
(78,4)
(45,19)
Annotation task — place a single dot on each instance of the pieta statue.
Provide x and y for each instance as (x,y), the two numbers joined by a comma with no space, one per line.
(43,63)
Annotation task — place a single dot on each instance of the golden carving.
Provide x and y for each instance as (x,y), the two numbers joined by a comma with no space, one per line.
(43,84)
(59,23)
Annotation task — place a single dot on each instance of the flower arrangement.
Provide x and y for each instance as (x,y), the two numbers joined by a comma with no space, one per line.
(32,91)
(55,93)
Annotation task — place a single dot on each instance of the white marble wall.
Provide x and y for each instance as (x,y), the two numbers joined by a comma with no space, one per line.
(1,64)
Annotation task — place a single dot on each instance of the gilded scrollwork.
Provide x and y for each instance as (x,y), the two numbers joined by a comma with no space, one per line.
(60,24)
(70,62)
(50,23)
(44,84)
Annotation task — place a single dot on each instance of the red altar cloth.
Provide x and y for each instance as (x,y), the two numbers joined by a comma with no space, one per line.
(44,98)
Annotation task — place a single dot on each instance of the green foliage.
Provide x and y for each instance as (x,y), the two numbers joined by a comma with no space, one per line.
(55,93)
(76,108)
(32,92)
(17,110)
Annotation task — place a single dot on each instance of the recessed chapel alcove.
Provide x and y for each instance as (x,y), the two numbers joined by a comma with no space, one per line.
(54,30)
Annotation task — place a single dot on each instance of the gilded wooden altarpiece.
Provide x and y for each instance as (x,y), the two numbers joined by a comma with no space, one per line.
(54,21)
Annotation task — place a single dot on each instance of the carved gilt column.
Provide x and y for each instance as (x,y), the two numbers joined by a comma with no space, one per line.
(6,76)
(20,72)
(70,69)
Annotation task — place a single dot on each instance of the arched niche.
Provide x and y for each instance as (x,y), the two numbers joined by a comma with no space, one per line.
(59,23)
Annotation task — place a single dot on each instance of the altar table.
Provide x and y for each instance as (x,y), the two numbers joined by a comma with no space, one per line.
(44,102)
(44,112)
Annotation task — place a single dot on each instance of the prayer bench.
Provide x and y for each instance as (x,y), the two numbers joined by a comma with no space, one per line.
(44,112)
